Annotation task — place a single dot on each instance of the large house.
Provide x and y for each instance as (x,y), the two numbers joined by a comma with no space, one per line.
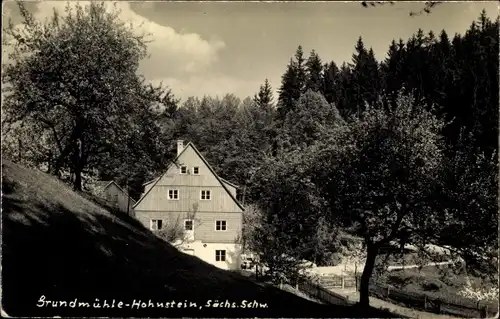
(190,194)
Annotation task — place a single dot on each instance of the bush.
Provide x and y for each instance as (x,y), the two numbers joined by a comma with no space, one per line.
(334,260)
(171,233)
(432,285)
(401,279)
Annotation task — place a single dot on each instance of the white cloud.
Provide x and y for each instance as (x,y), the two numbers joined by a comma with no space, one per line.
(171,52)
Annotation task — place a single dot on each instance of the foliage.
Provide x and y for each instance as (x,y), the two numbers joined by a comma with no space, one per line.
(330,88)
(252,220)
(265,96)
(73,77)
(310,119)
(428,6)
(365,79)
(469,191)
(439,283)
(292,204)
(172,232)
(378,182)
(314,73)
(480,293)
(293,84)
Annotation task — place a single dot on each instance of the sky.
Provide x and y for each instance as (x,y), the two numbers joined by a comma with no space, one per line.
(215,48)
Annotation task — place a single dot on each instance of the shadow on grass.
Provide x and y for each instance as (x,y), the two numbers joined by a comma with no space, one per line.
(59,245)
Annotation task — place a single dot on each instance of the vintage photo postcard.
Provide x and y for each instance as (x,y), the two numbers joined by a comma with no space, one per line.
(210,159)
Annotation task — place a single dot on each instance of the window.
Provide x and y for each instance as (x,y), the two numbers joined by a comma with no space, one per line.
(184,169)
(196,170)
(173,194)
(220,255)
(220,225)
(156,224)
(205,194)
(188,224)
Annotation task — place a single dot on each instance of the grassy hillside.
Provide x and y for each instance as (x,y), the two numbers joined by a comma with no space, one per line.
(60,245)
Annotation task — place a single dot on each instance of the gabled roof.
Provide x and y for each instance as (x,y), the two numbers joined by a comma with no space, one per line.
(151,181)
(205,162)
(229,183)
(102,185)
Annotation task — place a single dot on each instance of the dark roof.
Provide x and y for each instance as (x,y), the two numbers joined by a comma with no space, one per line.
(209,167)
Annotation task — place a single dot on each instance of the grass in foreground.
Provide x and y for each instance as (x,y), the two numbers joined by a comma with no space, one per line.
(59,245)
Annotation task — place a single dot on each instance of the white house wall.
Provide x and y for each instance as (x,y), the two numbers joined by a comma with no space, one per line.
(206,252)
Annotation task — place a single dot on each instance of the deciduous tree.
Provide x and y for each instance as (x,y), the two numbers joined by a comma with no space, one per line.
(75,75)
(377,176)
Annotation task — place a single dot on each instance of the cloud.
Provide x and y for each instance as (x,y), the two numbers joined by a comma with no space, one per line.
(171,53)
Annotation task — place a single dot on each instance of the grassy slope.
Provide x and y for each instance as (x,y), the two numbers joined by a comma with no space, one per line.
(437,282)
(58,244)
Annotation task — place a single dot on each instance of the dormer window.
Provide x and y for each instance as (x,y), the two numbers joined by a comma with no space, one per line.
(196,170)
(184,169)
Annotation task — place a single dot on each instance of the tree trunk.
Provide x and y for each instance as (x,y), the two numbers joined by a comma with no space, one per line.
(61,160)
(78,166)
(371,255)
(77,183)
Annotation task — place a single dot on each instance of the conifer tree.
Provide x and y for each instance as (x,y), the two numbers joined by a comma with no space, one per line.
(301,69)
(314,70)
(292,84)
(365,78)
(330,83)
(265,97)
(392,69)
(345,90)
(289,91)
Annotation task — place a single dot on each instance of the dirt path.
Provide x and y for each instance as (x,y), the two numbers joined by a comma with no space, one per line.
(353,295)
(389,268)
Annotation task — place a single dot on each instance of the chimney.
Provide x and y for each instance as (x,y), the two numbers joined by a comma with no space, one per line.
(180,146)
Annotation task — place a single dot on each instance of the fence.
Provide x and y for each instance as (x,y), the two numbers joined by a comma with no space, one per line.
(308,287)
(321,293)
(455,306)
(336,281)
(451,305)
(461,307)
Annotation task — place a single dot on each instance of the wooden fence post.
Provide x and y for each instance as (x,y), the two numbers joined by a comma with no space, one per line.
(425,302)
(343,281)
(484,311)
(388,291)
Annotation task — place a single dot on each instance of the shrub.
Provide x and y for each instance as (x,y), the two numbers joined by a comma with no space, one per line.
(401,278)
(432,285)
